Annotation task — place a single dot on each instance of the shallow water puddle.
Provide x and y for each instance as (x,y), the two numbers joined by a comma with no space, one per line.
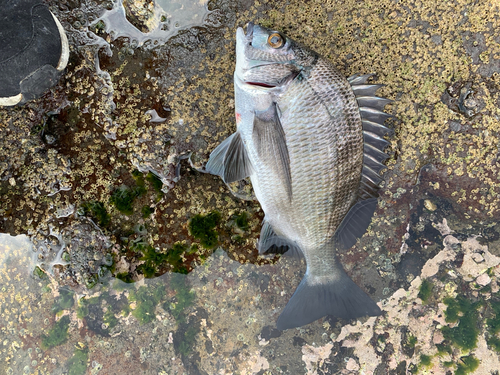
(169,18)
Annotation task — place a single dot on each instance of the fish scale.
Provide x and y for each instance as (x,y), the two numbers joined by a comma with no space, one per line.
(311,142)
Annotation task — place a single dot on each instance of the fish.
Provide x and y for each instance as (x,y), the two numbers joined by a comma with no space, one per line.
(312,143)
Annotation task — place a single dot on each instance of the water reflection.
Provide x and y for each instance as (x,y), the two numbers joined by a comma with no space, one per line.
(161,22)
(152,326)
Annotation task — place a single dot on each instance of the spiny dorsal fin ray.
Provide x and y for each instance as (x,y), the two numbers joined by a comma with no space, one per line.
(230,160)
(373,102)
(374,152)
(376,128)
(365,90)
(372,163)
(374,140)
(372,116)
(358,79)
(269,138)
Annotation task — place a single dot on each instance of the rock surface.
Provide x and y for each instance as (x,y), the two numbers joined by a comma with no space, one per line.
(104,188)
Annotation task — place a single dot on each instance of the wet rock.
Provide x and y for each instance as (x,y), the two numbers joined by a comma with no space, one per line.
(141,14)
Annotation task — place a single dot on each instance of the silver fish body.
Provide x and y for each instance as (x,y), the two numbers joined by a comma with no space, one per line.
(311,142)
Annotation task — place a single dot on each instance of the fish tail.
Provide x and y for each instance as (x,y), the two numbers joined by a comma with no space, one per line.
(338,296)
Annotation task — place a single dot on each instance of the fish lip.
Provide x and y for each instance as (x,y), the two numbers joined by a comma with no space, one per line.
(249,30)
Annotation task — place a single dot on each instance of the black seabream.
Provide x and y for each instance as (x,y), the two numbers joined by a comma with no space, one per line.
(312,143)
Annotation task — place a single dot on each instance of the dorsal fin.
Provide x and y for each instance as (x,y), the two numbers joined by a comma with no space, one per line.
(355,223)
(371,108)
(373,118)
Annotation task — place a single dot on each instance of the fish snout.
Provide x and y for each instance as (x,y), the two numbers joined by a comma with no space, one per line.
(249,29)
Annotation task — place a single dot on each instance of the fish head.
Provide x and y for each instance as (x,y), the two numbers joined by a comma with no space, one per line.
(268,59)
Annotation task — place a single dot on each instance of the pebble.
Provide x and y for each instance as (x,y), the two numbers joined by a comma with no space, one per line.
(483,279)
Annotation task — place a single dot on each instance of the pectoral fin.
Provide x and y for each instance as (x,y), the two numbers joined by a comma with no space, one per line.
(270,140)
(230,160)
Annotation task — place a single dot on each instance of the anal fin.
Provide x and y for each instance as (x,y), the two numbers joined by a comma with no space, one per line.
(271,243)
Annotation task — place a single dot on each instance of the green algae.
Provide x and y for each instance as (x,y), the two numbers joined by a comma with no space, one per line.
(123,198)
(154,259)
(146,298)
(64,301)
(188,340)
(425,290)
(83,306)
(155,182)
(58,334)
(425,360)
(77,364)
(184,298)
(125,277)
(444,349)
(412,341)
(147,211)
(202,228)
(494,342)
(242,221)
(467,365)
(38,272)
(109,319)
(493,324)
(97,211)
(463,311)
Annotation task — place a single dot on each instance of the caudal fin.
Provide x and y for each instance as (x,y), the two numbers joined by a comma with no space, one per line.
(341,298)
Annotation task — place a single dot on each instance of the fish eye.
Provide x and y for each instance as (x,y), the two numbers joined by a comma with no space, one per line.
(275,40)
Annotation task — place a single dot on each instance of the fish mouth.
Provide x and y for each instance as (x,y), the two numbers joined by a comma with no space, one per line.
(249,30)
(260,84)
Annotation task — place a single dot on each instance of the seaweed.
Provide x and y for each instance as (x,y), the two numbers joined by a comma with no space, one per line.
(174,258)
(58,334)
(188,339)
(64,301)
(494,326)
(154,260)
(425,360)
(147,211)
(463,335)
(242,221)
(39,273)
(184,298)
(444,349)
(109,319)
(425,290)
(123,198)
(77,364)
(97,211)
(155,182)
(125,277)
(467,365)
(83,306)
(202,228)
(494,323)
(412,341)
(146,298)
